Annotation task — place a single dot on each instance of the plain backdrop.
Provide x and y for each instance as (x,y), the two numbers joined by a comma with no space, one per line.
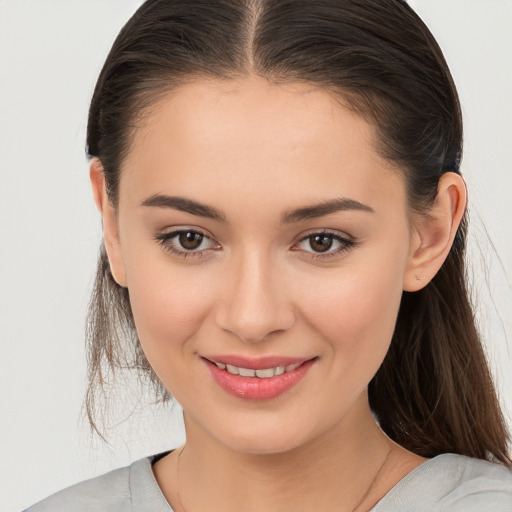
(51,52)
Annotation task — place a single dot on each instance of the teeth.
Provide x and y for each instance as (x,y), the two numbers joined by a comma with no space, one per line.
(263,373)
(232,369)
(280,370)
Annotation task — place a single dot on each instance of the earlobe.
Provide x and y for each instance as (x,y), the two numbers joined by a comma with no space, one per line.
(110,222)
(435,231)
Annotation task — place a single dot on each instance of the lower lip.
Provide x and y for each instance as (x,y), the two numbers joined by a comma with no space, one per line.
(254,388)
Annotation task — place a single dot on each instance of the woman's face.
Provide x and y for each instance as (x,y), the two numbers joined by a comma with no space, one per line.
(259,228)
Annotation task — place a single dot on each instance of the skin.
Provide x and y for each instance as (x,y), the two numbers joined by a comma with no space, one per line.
(255,151)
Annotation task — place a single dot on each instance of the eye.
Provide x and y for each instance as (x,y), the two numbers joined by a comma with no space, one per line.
(186,242)
(321,242)
(190,240)
(324,244)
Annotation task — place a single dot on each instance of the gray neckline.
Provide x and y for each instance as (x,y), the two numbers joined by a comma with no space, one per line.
(421,489)
(147,496)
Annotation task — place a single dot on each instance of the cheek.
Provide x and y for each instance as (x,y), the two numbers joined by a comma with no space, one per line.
(356,313)
(169,303)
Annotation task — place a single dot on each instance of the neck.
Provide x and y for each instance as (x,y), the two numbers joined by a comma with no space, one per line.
(349,468)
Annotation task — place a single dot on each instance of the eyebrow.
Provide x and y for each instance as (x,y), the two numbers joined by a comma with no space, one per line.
(308,212)
(325,208)
(184,205)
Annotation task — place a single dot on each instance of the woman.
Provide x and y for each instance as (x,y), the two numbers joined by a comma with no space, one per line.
(284,224)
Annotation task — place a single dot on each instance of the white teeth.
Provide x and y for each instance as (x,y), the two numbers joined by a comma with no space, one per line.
(280,370)
(264,373)
(232,369)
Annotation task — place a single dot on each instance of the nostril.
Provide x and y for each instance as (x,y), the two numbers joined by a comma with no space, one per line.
(256,326)
(250,336)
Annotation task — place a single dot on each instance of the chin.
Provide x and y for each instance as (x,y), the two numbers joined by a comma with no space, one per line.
(259,439)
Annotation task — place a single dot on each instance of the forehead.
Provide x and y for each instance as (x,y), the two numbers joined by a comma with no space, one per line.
(248,135)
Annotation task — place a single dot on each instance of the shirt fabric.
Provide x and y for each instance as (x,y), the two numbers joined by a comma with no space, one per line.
(446,483)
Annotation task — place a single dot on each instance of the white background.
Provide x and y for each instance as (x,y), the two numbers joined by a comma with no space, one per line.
(51,52)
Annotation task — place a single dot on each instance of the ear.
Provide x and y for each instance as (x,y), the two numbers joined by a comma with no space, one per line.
(434,232)
(110,222)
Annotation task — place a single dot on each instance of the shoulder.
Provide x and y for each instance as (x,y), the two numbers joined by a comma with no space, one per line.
(475,485)
(452,483)
(106,492)
(132,488)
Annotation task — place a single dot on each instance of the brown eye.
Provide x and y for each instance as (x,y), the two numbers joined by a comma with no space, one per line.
(324,244)
(321,243)
(190,240)
(187,243)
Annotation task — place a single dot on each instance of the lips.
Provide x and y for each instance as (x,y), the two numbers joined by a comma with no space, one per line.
(261,373)
(256,363)
(257,379)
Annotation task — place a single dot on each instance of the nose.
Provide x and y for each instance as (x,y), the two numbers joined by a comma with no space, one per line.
(254,303)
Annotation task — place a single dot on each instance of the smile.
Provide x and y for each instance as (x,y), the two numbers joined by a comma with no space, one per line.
(257,379)
(263,373)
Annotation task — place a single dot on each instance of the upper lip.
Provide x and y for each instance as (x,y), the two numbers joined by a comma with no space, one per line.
(256,363)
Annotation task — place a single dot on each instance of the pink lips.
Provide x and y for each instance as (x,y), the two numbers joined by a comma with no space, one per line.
(255,388)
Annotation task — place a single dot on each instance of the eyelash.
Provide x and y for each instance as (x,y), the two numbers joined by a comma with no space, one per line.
(345,244)
(166,240)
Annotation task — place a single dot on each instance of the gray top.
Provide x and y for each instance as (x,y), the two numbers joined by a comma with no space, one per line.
(446,483)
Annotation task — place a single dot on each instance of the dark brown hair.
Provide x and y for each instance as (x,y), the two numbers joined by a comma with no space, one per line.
(434,392)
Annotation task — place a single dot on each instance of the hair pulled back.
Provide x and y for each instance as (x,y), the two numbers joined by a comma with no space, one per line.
(433,393)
